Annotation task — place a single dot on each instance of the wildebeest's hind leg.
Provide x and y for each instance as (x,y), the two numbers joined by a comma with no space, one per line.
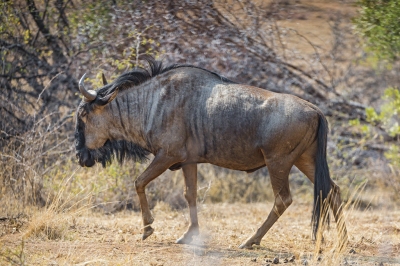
(279,175)
(190,174)
(306,164)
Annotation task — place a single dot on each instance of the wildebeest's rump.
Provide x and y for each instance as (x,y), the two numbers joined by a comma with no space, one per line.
(186,115)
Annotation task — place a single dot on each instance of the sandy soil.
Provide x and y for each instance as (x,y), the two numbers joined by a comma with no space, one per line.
(95,239)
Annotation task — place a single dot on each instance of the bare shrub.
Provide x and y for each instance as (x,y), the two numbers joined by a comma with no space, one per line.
(28,158)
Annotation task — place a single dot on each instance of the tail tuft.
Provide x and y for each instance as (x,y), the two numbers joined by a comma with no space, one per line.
(322,180)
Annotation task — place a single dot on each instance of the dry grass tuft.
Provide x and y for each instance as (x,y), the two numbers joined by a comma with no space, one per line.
(53,221)
(48,224)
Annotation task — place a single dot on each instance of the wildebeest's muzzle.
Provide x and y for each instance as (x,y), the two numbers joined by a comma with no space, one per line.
(84,158)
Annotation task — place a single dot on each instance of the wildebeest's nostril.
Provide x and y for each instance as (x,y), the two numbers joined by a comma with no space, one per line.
(89,163)
(85,159)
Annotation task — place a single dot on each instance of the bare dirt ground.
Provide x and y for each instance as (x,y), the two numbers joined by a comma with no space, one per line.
(314,20)
(95,239)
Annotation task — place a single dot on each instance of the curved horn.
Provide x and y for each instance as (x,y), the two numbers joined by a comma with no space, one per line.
(104,79)
(89,95)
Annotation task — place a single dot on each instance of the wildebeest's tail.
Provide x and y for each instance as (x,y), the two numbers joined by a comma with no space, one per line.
(322,180)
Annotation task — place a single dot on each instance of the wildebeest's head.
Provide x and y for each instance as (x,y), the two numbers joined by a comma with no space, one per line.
(90,131)
(93,141)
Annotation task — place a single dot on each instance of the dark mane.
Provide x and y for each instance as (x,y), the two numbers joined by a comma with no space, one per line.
(140,75)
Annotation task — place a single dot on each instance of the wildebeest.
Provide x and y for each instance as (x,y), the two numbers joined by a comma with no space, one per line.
(185,115)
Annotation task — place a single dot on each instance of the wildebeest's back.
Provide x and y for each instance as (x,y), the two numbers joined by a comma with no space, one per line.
(231,125)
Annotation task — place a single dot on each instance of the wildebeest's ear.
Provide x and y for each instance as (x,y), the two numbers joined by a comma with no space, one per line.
(106,99)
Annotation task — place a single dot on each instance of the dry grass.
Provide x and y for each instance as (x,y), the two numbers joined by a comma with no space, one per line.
(97,239)
(53,221)
(69,232)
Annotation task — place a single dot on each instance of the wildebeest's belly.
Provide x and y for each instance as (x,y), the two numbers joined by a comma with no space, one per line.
(236,159)
(249,164)
(241,166)
(227,152)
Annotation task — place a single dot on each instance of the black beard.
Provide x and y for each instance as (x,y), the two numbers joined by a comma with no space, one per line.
(119,149)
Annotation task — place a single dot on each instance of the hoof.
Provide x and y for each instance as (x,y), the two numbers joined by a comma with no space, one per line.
(248,244)
(147,232)
(187,238)
(184,240)
(245,246)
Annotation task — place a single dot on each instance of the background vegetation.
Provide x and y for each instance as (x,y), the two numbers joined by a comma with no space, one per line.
(45,47)
(378,24)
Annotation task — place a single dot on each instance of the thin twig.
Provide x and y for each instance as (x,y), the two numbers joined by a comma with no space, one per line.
(48,85)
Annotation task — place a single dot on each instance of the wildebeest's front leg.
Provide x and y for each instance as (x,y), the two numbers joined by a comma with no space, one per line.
(156,168)
(190,174)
